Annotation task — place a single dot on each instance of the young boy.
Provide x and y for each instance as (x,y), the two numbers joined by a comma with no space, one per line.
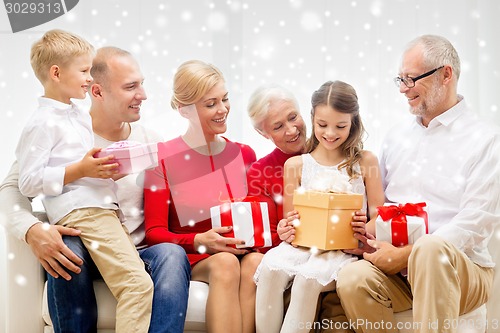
(78,192)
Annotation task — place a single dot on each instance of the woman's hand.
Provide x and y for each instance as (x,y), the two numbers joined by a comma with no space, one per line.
(286,229)
(212,242)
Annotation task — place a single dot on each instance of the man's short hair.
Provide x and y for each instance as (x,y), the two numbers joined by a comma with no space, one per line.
(100,68)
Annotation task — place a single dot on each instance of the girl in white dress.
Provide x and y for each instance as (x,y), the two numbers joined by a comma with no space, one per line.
(335,145)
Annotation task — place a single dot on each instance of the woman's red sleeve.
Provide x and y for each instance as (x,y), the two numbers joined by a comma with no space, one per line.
(156,212)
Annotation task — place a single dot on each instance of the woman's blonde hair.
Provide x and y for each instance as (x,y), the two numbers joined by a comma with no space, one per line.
(57,47)
(262,99)
(341,97)
(192,81)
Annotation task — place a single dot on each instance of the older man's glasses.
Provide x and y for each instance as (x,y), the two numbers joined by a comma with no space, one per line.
(410,81)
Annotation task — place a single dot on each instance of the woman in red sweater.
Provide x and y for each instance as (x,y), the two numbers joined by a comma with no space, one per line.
(196,171)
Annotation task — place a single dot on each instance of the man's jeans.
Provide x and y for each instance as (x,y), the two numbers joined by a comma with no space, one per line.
(72,304)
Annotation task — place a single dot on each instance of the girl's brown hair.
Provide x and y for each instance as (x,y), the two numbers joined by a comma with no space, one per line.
(341,97)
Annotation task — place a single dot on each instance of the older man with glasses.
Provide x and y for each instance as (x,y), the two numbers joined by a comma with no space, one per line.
(449,159)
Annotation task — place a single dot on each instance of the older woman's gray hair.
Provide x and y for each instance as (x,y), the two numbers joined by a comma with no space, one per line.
(263,99)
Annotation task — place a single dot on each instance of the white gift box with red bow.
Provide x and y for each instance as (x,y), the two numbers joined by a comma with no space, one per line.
(401,224)
(132,156)
(250,222)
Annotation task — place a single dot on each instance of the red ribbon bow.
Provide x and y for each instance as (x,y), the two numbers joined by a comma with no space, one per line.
(399,225)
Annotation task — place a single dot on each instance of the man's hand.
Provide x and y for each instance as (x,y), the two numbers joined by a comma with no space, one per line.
(46,243)
(388,258)
(363,247)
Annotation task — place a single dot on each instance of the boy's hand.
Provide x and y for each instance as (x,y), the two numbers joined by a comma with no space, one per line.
(101,167)
(90,166)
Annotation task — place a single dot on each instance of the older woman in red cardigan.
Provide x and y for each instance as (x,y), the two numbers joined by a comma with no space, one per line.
(275,114)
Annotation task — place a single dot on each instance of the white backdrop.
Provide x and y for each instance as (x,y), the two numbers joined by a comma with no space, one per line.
(297,43)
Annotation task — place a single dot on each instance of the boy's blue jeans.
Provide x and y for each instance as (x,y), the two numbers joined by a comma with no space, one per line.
(72,304)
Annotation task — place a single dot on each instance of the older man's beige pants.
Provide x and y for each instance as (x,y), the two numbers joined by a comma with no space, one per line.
(442,284)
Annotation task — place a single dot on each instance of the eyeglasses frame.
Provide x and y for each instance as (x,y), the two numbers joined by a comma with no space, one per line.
(398,80)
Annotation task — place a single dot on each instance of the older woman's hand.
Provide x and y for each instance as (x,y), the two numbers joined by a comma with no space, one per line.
(285,229)
(212,242)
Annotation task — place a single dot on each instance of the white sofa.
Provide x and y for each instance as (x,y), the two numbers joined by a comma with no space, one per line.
(23,308)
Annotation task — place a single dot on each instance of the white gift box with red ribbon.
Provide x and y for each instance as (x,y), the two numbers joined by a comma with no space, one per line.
(401,224)
(132,156)
(249,219)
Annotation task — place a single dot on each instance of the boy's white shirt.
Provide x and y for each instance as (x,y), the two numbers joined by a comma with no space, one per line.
(17,207)
(56,136)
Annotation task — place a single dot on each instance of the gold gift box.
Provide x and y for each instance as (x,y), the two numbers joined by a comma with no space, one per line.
(325,219)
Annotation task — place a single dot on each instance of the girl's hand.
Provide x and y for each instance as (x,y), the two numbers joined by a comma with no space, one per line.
(358,222)
(285,229)
(212,242)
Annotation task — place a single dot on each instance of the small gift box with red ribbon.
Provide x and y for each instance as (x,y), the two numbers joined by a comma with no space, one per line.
(132,156)
(249,219)
(401,224)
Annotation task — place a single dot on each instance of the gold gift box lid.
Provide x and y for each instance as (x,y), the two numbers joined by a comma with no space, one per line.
(328,200)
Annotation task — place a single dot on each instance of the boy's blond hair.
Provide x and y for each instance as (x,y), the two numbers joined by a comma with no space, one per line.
(57,47)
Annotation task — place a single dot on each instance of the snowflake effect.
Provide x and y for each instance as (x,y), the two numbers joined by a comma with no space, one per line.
(21,280)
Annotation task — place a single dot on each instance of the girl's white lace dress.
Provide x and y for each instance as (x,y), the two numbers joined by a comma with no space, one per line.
(320,265)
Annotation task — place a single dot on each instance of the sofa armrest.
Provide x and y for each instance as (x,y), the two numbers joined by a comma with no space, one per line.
(21,286)
(493,304)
